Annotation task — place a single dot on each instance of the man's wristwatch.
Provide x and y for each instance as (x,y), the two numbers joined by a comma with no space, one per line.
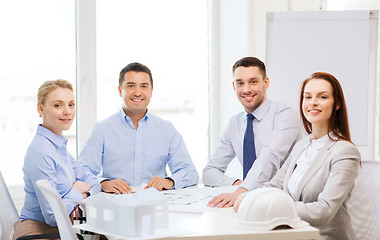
(88,194)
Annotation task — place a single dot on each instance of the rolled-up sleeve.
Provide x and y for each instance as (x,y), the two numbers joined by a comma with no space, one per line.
(184,173)
(213,173)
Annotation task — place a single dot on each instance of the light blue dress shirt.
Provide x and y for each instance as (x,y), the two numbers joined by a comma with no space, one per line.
(115,149)
(276,129)
(48,158)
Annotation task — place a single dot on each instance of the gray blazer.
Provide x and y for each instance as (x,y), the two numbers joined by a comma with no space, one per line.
(320,199)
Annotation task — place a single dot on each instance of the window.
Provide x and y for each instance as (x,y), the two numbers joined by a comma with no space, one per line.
(37,44)
(170,37)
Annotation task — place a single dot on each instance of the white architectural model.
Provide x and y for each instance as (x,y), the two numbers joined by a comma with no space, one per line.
(128,214)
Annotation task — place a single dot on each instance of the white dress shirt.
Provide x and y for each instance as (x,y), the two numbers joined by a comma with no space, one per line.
(306,159)
(276,129)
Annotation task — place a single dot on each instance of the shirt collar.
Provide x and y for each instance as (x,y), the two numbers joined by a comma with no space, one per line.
(259,112)
(318,143)
(59,141)
(124,116)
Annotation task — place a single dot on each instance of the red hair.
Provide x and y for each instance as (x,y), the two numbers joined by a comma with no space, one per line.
(338,123)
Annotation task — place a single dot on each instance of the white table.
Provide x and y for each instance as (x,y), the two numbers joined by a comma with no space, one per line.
(218,224)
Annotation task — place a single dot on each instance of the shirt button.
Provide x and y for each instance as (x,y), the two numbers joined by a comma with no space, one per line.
(137,178)
(134,130)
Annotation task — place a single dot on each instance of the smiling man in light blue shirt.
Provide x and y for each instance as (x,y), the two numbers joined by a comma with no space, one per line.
(133,146)
(276,128)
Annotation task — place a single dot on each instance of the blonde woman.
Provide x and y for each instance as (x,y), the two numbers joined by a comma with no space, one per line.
(48,158)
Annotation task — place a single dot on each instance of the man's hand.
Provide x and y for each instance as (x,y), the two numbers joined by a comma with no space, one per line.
(226,199)
(117,186)
(238,202)
(160,183)
(237,182)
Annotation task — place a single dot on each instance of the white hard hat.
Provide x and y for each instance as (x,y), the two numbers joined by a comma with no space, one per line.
(266,209)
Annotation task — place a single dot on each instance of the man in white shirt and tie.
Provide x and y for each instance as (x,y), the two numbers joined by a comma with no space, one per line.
(263,145)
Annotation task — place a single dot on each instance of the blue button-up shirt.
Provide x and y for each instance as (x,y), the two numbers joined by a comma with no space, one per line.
(115,149)
(48,158)
(276,129)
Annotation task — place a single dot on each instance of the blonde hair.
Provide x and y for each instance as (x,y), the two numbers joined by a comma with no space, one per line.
(49,86)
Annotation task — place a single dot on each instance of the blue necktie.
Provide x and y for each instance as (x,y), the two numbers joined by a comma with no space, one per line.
(249,152)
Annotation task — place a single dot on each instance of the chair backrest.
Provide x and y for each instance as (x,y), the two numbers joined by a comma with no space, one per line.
(363,205)
(66,230)
(8,211)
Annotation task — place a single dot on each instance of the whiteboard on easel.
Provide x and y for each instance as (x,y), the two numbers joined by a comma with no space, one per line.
(342,43)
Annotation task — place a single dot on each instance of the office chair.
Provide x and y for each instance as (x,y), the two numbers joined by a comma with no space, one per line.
(8,212)
(363,205)
(63,221)
(9,215)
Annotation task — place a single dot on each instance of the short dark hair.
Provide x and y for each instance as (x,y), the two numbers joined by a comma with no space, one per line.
(136,67)
(250,62)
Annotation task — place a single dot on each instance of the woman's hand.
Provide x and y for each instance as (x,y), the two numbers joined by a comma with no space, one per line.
(74,214)
(82,187)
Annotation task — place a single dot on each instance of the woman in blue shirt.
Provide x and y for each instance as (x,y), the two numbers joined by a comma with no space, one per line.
(48,158)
